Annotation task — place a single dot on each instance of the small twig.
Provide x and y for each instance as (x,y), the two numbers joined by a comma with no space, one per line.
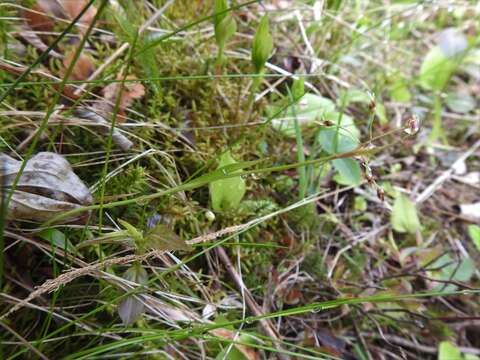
(416,346)
(252,304)
(430,190)
(23,341)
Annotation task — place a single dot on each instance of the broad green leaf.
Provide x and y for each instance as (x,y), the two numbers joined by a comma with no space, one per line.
(57,238)
(360,204)
(451,269)
(436,70)
(399,91)
(262,45)
(404,216)
(349,171)
(226,194)
(357,96)
(470,357)
(460,103)
(448,351)
(474,232)
(161,237)
(341,139)
(310,108)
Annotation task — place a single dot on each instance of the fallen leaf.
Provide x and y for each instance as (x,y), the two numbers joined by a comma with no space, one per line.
(73,8)
(84,67)
(118,138)
(248,353)
(38,19)
(41,17)
(130,92)
(48,186)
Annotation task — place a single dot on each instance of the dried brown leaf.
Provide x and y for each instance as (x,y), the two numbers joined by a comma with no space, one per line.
(249,353)
(37,19)
(74,7)
(130,92)
(84,67)
(47,187)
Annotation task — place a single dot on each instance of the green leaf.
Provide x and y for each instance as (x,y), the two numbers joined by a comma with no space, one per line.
(342,139)
(226,194)
(360,204)
(219,9)
(224,24)
(349,170)
(136,235)
(474,232)
(57,238)
(357,96)
(262,45)
(460,103)
(381,114)
(310,108)
(451,269)
(399,91)
(436,70)
(298,89)
(161,237)
(448,351)
(404,215)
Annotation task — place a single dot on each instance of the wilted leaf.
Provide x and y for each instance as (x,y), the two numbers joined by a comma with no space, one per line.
(47,187)
(226,194)
(161,237)
(474,233)
(404,215)
(448,351)
(262,45)
(132,307)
